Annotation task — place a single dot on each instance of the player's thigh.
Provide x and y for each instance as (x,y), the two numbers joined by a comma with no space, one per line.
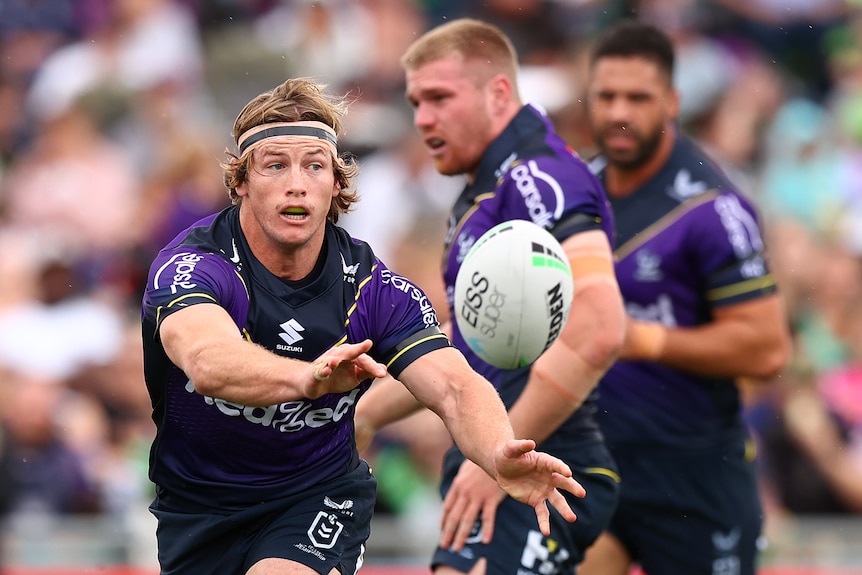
(695,515)
(479,568)
(607,556)
(683,543)
(283,567)
(327,530)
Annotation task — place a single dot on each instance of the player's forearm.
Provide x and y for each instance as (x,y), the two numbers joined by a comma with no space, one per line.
(244,373)
(203,341)
(563,377)
(745,340)
(552,396)
(467,403)
(725,349)
(478,423)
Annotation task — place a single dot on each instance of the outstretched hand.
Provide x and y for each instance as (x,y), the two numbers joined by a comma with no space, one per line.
(534,477)
(342,368)
(473,492)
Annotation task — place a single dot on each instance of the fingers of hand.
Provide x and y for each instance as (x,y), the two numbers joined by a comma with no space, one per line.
(363,346)
(367,367)
(453,510)
(515,448)
(465,526)
(489,514)
(560,504)
(569,484)
(544,517)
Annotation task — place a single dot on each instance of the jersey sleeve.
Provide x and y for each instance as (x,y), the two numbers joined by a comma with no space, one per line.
(730,251)
(180,278)
(398,317)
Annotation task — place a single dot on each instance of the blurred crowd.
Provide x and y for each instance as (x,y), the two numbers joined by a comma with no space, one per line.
(114,115)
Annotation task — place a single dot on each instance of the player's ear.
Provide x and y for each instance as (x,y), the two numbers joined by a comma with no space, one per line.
(500,88)
(242,188)
(338,170)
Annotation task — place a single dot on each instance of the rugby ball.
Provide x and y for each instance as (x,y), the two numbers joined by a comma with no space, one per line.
(513,294)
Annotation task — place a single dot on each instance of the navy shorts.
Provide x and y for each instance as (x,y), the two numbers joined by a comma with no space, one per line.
(518,547)
(324,527)
(695,513)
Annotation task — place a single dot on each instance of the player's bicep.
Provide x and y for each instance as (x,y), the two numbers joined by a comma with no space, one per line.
(186,332)
(759,328)
(765,318)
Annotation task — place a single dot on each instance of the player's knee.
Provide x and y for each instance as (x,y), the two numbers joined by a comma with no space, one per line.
(606,556)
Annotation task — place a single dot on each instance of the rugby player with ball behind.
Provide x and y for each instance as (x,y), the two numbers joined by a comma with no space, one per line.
(461,83)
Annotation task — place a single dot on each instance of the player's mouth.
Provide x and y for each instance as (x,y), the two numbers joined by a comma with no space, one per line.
(620,139)
(435,145)
(295,214)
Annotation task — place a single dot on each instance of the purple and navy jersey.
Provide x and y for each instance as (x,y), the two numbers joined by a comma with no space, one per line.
(687,244)
(221,455)
(527,173)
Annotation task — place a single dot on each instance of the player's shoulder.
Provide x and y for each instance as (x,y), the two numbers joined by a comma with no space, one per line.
(209,240)
(552,171)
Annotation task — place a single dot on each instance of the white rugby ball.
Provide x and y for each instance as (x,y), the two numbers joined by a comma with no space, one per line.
(513,294)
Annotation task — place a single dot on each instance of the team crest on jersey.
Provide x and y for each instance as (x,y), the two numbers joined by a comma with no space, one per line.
(324,530)
(648,266)
(465,242)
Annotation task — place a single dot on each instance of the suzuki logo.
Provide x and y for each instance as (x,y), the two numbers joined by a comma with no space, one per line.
(291,328)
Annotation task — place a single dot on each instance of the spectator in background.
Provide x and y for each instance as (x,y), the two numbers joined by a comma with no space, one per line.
(48,477)
(312,34)
(808,173)
(30,31)
(810,423)
(138,45)
(791,32)
(52,186)
(84,329)
(809,445)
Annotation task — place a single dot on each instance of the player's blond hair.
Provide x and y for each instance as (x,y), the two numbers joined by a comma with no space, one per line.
(473,40)
(296,100)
